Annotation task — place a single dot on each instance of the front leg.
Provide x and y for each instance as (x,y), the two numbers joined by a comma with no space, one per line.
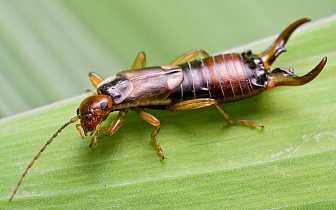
(114,127)
(95,79)
(116,123)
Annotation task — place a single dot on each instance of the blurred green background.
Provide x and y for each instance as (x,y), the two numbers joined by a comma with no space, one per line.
(47,48)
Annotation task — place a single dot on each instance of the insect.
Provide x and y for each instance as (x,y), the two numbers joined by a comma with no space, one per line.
(187,83)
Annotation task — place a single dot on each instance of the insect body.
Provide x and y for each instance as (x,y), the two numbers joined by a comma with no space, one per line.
(185,84)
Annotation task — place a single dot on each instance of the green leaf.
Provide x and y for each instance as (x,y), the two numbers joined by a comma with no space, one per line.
(47,48)
(210,164)
(45,55)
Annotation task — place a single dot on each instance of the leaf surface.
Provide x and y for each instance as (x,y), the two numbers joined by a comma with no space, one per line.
(210,164)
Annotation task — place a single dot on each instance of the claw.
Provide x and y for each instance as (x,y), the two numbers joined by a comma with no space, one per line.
(269,55)
(286,77)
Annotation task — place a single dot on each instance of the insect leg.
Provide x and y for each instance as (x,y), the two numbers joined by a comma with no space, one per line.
(95,78)
(140,61)
(229,120)
(203,102)
(189,56)
(94,140)
(192,104)
(154,121)
(116,123)
(114,127)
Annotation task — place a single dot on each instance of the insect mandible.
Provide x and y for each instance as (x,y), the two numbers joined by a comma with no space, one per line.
(185,84)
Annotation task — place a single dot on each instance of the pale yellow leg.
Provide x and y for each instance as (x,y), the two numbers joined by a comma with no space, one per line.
(229,120)
(114,127)
(116,123)
(203,102)
(153,121)
(95,78)
(140,61)
(189,56)
(192,104)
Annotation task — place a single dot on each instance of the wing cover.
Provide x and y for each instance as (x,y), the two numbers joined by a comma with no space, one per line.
(153,82)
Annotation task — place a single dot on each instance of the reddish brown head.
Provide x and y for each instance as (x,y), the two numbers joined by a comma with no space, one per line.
(93,111)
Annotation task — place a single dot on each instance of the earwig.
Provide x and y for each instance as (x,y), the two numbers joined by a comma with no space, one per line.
(187,83)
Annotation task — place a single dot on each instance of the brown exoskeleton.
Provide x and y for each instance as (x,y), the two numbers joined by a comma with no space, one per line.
(184,84)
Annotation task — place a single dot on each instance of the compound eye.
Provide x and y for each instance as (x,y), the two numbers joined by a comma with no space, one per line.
(104,106)
(78,111)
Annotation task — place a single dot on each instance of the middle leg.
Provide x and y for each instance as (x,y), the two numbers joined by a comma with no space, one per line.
(153,121)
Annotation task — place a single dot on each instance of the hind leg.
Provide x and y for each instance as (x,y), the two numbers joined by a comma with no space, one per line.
(189,56)
(203,102)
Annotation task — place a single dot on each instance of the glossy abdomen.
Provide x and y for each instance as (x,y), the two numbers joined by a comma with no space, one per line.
(226,78)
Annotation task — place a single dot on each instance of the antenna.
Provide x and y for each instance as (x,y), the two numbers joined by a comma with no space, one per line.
(39,153)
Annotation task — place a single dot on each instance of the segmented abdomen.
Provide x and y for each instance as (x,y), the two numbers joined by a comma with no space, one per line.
(228,77)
